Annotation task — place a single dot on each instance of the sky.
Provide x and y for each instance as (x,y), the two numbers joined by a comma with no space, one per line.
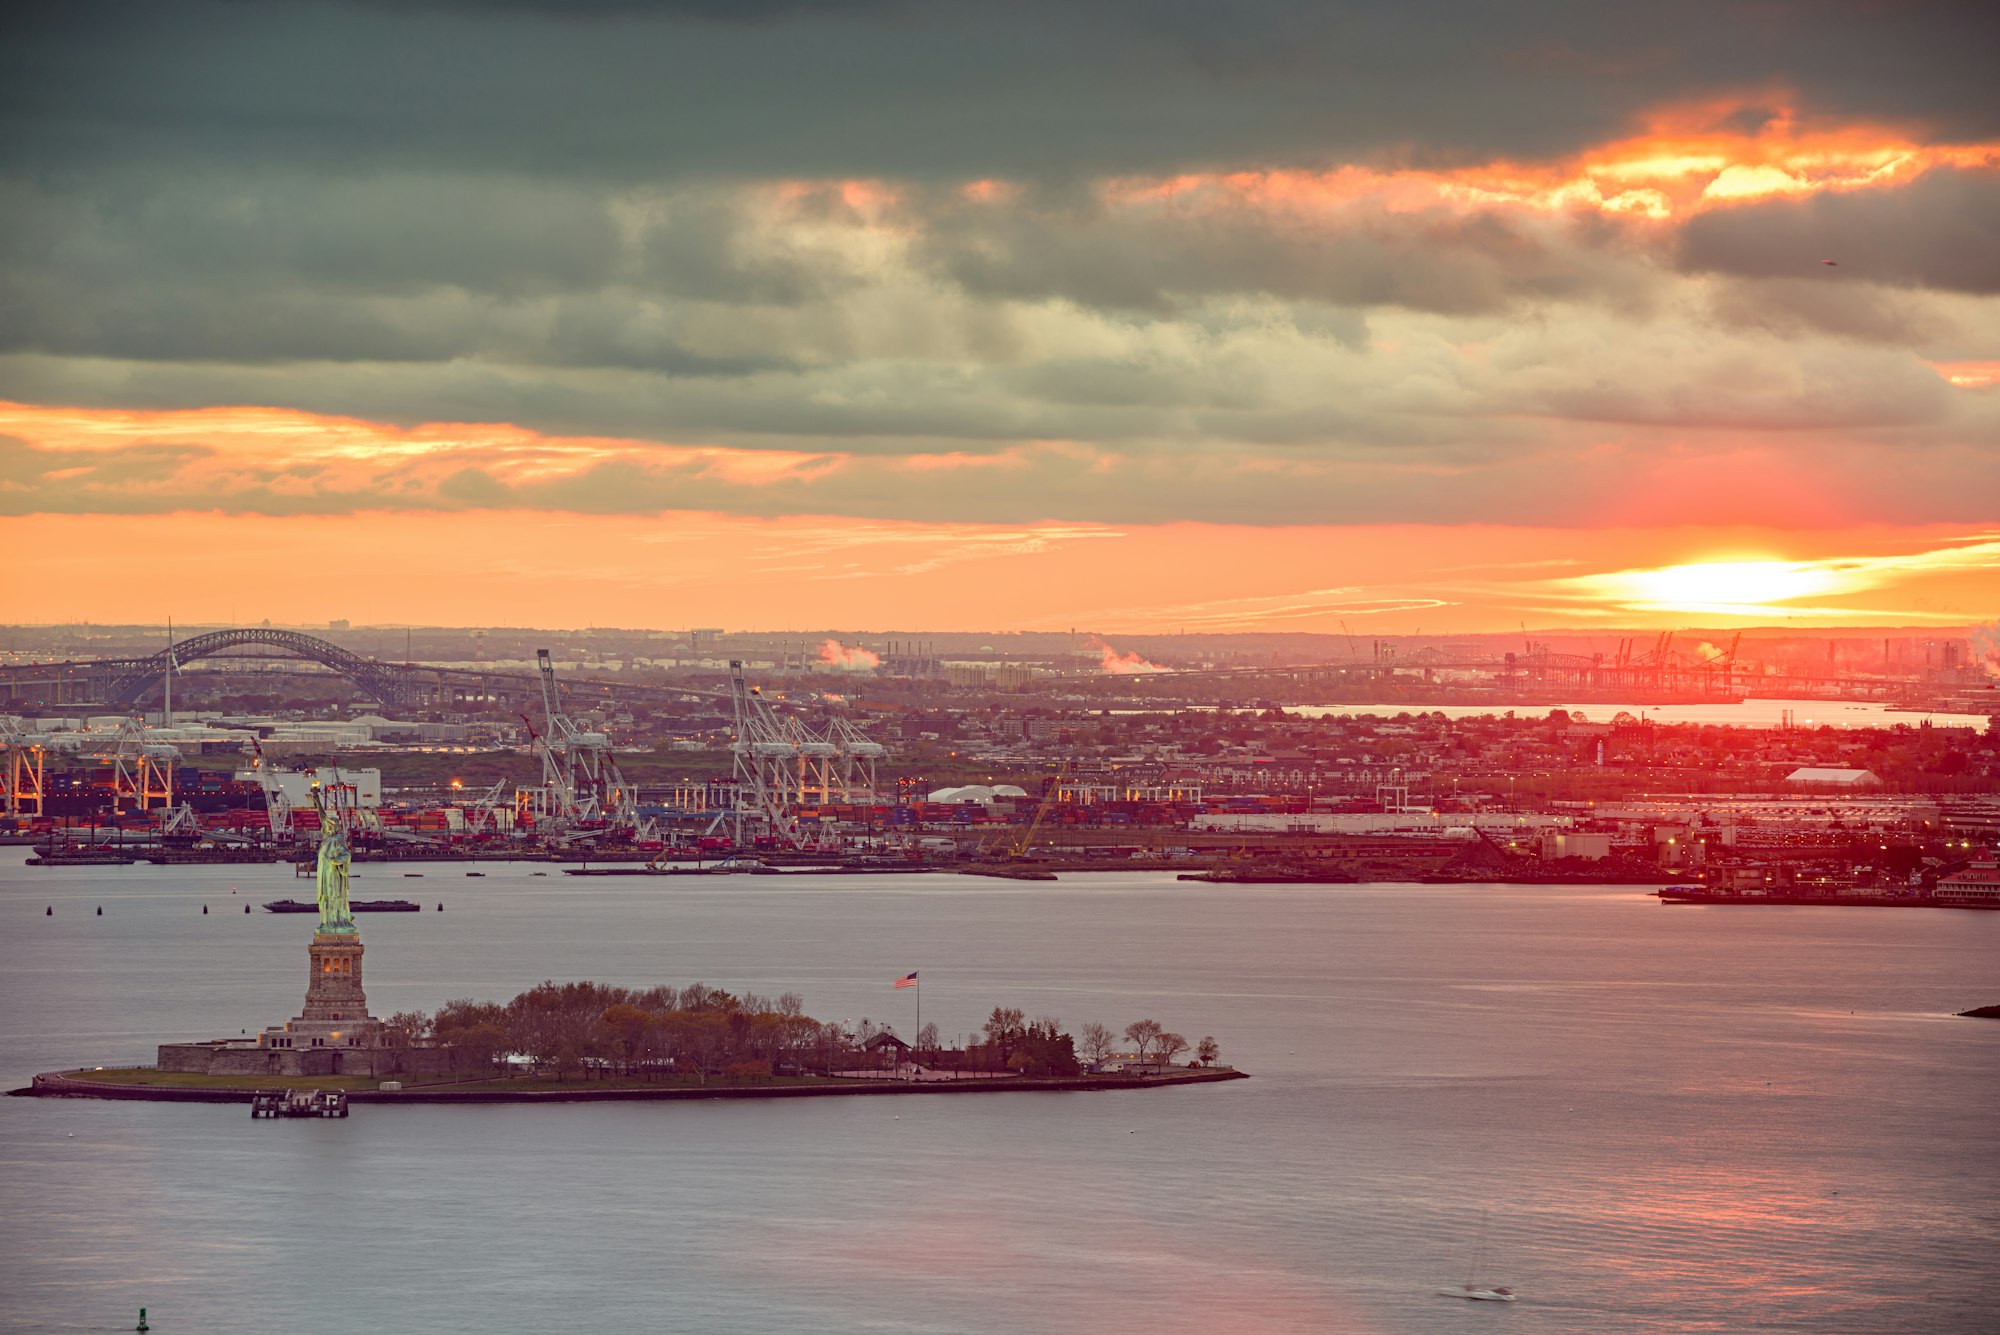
(1129,316)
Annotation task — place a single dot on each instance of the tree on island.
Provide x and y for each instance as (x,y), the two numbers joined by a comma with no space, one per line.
(409,1026)
(1005,1028)
(1207,1052)
(698,1032)
(559,1025)
(700,1040)
(630,1029)
(1028,1047)
(477,1032)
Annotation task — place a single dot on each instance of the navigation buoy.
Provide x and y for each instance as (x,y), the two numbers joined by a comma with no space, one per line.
(204,910)
(440,908)
(246,908)
(100,910)
(142,1321)
(49,912)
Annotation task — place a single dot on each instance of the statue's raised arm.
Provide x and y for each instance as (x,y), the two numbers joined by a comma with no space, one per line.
(334,916)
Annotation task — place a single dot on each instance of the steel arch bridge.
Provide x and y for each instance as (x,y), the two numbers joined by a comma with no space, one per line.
(135,678)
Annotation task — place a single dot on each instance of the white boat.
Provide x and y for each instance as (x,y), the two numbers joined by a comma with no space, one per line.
(1479,1293)
(1472,1289)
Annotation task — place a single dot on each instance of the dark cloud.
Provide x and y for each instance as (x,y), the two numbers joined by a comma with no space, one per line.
(1803,305)
(631,220)
(703,247)
(362,234)
(1148,258)
(1941,231)
(398,269)
(716,11)
(944,90)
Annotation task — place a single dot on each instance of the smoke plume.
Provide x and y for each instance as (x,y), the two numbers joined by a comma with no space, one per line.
(1122,665)
(1985,641)
(857,659)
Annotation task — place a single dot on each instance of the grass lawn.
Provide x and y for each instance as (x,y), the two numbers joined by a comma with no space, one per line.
(147,1075)
(537,1083)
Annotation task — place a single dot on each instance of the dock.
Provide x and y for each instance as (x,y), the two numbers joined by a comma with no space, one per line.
(299,1103)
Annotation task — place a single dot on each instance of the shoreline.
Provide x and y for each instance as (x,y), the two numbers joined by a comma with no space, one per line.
(1672,895)
(61,1085)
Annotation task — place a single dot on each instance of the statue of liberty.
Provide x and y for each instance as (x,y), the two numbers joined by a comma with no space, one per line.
(334,917)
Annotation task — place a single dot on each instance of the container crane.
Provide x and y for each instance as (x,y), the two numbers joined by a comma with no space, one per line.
(581,781)
(765,755)
(141,770)
(277,805)
(22,772)
(782,762)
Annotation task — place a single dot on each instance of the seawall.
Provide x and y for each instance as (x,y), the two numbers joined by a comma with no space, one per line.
(63,1085)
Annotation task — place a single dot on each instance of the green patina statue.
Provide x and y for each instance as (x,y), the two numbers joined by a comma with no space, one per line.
(334,917)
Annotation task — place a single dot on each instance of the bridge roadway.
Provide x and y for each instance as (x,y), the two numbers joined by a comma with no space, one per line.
(120,683)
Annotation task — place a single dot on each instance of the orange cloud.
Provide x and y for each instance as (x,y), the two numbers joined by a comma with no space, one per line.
(237,437)
(1688,159)
(1969,375)
(282,460)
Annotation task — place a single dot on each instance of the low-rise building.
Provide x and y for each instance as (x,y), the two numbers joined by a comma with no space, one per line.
(1977,884)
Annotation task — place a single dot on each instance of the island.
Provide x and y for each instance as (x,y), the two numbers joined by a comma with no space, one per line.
(589,1041)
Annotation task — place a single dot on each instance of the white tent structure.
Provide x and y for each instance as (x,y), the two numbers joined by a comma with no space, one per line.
(1816,776)
(982,793)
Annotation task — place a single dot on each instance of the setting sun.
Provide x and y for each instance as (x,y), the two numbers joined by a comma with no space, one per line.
(1727,584)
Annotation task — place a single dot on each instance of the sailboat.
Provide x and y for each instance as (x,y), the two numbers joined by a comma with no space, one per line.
(1472,1289)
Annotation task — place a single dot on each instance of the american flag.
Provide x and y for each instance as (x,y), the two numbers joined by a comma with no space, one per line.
(907,980)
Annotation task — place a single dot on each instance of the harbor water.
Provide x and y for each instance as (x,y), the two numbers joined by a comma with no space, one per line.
(1753,713)
(1640,1117)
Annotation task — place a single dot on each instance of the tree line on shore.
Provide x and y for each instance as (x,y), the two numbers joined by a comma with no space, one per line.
(705,1032)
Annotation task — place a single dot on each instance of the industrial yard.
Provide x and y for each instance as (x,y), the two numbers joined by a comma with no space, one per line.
(1245,761)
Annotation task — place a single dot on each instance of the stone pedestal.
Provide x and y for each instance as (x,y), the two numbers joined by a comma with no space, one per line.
(333,1035)
(333,981)
(336,1010)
